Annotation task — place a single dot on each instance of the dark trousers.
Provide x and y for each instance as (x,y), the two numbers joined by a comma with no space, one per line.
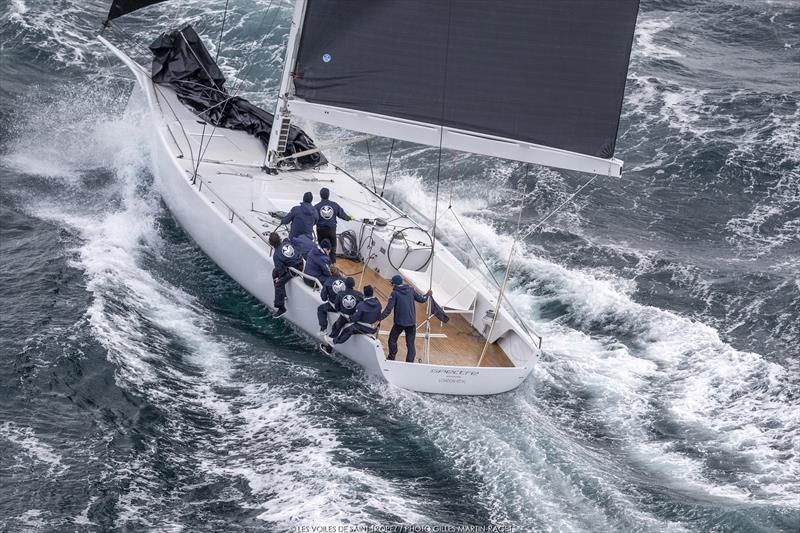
(411,336)
(280,286)
(353,329)
(322,314)
(338,325)
(330,234)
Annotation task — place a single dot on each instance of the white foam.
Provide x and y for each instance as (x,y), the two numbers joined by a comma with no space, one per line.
(287,455)
(32,448)
(703,383)
(647,30)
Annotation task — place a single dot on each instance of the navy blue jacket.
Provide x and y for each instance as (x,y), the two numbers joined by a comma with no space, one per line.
(402,301)
(347,300)
(333,286)
(328,210)
(367,311)
(303,244)
(303,217)
(286,256)
(318,264)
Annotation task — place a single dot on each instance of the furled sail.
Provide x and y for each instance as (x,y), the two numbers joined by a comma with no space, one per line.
(122,7)
(181,61)
(524,74)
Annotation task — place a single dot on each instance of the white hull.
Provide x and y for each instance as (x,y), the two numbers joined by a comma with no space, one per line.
(217,212)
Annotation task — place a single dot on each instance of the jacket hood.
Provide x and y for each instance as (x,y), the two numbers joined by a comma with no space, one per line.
(403,289)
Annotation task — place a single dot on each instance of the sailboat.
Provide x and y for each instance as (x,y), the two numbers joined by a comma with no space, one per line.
(539,82)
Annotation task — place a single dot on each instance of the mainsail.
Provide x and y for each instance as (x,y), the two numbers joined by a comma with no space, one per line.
(538,81)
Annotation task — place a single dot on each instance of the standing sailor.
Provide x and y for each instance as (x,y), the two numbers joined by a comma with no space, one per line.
(331,288)
(302,218)
(328,211)
(365,318)
(284,256)
(405,316)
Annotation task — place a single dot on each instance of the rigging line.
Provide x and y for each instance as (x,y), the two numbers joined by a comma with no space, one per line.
(386,174)
(369,257)
(241,82)
(438,176)
(371,171)
(475,247)
(201,153)
(489,276)
(452,182)
(462,289)
(245,70)
(221,31)
(199,62)
(557,209)
(508,267)
(214,129)
(130,38)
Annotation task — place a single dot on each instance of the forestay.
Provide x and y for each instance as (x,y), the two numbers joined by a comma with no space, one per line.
(536,81)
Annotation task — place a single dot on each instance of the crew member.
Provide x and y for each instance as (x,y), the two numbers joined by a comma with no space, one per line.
(330,289)
(284,256)
(365,318)
(405,316)
(318,263)
(328,211)
(302,218)
(303,244)
(346,302)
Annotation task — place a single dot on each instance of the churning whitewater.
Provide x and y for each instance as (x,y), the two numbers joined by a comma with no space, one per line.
(141,389)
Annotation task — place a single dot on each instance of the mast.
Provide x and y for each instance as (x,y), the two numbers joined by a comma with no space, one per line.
(279,135)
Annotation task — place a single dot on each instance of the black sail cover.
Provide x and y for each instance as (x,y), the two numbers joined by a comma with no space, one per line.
(123,7)
(182,62)
(549,72)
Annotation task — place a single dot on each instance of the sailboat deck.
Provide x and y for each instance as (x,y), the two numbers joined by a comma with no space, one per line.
(461,347)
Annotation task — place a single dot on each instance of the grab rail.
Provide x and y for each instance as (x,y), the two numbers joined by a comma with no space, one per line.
(306,276)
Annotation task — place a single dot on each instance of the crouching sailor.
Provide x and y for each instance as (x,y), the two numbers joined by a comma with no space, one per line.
(331,288)
(401,301)
(284,257)
(318,263)
(303,244)
(346,302)
(365,319)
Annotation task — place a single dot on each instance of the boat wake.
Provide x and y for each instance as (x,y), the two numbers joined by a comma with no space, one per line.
(640,415)
(214,422)
(674,399)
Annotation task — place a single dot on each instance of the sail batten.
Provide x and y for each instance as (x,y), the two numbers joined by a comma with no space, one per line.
(545,73)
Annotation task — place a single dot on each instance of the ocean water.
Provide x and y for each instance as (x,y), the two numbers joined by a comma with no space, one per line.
(141,389)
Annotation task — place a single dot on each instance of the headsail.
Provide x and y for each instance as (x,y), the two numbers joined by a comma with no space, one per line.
(538,81)
(181,61)
(122,7)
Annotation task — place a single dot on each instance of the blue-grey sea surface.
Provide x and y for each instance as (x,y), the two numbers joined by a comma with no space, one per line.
(141,389)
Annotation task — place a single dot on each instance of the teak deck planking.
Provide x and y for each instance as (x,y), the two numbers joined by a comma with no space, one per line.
(461,347)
